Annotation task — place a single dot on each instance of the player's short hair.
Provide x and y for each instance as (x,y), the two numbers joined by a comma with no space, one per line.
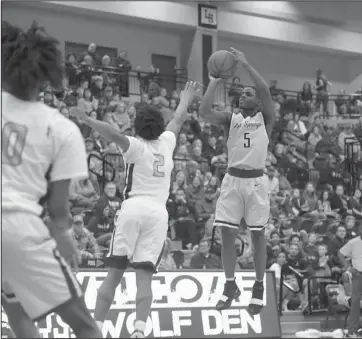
(149,123)
(29,58)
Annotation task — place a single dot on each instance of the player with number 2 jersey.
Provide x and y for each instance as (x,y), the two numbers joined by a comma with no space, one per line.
(142,223)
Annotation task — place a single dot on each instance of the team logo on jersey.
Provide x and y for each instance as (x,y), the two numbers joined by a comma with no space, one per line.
(248,124)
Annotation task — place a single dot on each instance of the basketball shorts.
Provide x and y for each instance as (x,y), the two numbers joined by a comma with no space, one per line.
(240,198)
(139,235)
(33,272)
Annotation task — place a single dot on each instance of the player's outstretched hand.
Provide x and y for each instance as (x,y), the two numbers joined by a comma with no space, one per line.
(190,91)
(240,56)
(67,247)
(78,113)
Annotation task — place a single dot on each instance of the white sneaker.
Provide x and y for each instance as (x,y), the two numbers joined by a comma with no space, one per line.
(137,334)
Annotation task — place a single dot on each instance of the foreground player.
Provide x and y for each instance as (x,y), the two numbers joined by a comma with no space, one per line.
(142,223)
(37,142)
(244,190)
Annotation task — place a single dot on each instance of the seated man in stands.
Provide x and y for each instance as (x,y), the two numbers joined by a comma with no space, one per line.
(85,241)
(203,259)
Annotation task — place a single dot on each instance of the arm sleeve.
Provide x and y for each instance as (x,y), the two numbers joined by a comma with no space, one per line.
(134,151)
(170,139)
(70,156)
(346,250)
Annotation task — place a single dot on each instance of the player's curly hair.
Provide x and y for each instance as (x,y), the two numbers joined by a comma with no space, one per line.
(149,123)
(29,58)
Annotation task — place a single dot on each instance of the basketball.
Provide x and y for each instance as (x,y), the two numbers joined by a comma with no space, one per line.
(222,64)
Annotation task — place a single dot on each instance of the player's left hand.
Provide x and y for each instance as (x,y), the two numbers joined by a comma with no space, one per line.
(189,93)
(240,56)
(78,113)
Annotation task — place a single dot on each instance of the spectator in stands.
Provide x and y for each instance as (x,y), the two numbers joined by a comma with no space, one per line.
(110,199)
(351,227)
(342,103)
(167,261)
(273,180)
(92,52)
(305,99)
(205,207)
(210,148)
(121,117)
(71,68)
(299,126)
(322,85)
(339,201)
(203,259)
(99,144)
(85,241)
(87,102)
(182,221)
(354,204)
(101,225)
(97,87)
(290,283)
(124,66)
(314,137)
(328,143)
(131,110)
(195,191)
(179,183)
(336,243)
(345,136)
(82,195)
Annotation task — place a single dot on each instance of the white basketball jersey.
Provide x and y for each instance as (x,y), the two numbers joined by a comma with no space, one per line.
(148,167)
(37,141)
(248,142)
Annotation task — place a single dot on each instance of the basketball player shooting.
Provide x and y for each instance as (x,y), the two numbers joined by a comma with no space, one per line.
(38,142)
(141,226)
(244,190)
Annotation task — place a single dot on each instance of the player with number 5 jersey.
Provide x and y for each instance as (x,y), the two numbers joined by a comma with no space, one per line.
(244,191)
(142,223)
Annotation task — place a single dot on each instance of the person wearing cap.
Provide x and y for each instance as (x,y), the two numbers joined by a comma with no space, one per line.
(86,243)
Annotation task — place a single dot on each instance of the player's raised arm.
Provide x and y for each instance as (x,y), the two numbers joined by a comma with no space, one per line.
(189,92)
(104,129)
(262,89)
(213,117)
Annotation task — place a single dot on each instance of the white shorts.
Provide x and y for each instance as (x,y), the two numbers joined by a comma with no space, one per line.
(33,273)
(139,234)
(240,198)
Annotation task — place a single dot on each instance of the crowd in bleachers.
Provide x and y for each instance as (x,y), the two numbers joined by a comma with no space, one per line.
(314,170)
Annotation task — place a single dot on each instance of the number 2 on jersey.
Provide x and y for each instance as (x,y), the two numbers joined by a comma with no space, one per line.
(12,143)
(247,140)
(159,162)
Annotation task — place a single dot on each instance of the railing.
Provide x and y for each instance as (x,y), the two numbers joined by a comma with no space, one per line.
(136,82)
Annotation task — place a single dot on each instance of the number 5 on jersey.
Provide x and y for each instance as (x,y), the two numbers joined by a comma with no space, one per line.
(247,140)
(157,164)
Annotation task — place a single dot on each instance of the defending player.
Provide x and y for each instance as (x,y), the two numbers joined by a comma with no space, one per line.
(37,141)
(244,190)
(142,223)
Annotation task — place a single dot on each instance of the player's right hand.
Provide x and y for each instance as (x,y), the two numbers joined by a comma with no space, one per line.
(67,247)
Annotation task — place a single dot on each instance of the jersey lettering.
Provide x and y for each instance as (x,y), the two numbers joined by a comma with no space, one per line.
(159,162)
(12,143)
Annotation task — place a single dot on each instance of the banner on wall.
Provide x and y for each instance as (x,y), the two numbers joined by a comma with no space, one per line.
(183,306)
